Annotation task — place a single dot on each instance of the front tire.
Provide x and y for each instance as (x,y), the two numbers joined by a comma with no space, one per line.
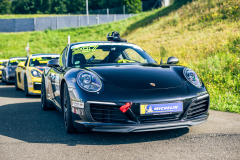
(67,113)
(26,86)
(3,77)
(43,96)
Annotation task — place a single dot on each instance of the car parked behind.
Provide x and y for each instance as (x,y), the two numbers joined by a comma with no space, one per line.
(8,72)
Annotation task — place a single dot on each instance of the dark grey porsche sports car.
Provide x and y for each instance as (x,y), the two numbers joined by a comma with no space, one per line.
(8,72)
(115,86)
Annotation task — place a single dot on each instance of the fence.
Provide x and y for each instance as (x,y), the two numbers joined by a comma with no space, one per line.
(43,23)
(60,22)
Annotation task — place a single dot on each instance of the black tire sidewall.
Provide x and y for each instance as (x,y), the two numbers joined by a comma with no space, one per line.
(3,77)
(25,88)
(69,127)
(43,97)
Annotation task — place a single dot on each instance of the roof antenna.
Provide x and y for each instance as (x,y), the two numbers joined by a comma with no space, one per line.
(68,39)
(161,61)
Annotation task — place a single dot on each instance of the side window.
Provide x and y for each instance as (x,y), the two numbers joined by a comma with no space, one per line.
(133,55)
(62,58)
(26,62)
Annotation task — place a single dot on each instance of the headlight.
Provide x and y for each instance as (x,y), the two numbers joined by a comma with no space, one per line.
(36,73)
(192,77)
(88,81)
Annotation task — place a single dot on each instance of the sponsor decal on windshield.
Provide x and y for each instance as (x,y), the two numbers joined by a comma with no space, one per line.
(110,44)
(85,49)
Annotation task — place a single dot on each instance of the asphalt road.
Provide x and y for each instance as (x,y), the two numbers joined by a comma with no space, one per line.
(27,132)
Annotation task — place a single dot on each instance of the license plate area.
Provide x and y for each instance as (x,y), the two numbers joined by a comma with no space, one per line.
(161,108)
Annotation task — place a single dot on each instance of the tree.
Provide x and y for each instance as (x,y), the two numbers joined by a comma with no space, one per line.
(59,6)
(23,6)
(68,6)
(133,6)
(5,7)
(76,6)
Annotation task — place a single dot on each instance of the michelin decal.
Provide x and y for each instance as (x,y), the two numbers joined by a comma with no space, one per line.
(161,108)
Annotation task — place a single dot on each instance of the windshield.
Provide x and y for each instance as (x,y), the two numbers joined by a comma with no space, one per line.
(40,61)
(2,62)
(100,53)
(15,62)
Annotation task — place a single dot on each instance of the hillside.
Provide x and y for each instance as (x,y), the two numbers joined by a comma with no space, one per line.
(203,34)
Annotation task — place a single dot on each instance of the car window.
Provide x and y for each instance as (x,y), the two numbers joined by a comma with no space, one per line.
(62,59)
(15,62)
(26,62)
(3,62)
(100,53)
(133,55)
(41,61)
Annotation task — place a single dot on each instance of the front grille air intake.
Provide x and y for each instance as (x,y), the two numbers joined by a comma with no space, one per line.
(198,108)
(37,86)
(107,113)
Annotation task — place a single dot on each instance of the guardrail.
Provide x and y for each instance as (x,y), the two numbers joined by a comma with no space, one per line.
(58,22)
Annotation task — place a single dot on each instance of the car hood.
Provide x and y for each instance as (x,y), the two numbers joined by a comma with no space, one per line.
(139,76)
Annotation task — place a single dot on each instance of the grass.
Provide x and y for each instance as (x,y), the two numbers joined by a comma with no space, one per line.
(203,34)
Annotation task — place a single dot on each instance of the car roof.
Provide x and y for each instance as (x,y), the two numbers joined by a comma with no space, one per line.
(44,54)
(3,60)
(99,42)
(18,58)
(109,42)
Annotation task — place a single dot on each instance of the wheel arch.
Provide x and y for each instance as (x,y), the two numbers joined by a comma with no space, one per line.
(63,81)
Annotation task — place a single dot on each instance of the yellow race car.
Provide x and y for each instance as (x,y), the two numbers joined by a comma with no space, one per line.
(29,73)
(2,63)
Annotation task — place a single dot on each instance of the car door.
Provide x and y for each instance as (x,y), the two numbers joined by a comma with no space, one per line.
(19,76)
(21,73)
(56,73)
(24,70)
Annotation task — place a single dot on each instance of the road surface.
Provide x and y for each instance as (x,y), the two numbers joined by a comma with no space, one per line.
(27,132)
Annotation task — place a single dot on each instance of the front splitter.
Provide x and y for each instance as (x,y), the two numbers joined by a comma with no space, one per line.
(124,128)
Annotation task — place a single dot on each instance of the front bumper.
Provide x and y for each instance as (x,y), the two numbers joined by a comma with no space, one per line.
(34,85)
(10,77)
(106,116)
(113,127)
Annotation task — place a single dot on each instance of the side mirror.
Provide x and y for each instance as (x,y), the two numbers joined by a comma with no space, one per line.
(21,64)
(53,63)
(172,60)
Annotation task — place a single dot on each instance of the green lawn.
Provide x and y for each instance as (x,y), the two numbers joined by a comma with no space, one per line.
(203,34)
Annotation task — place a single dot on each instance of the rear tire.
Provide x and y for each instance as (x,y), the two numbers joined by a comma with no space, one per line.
(26,86)
(16,85)
(67,113)
(43,96)
(3,78)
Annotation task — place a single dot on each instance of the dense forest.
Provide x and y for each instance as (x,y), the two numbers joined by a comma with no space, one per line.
(64,6)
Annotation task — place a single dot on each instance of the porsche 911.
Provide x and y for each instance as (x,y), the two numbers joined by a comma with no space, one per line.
(115,86)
